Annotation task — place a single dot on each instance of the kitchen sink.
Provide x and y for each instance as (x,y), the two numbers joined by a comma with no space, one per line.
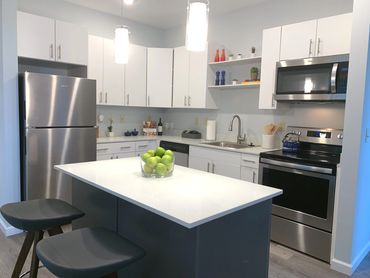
(228,145)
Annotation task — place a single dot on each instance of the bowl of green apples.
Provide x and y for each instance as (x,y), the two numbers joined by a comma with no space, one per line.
(158,163)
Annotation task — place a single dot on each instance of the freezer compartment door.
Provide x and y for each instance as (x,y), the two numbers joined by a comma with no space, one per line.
(49,147)
(59,101)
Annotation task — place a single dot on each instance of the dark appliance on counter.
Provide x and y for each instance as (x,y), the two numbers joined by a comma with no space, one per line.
(302,217)
(191,134)
(312,79)
(57,126)
(181,152)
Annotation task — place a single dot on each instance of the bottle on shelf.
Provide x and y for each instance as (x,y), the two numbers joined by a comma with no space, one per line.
(217,78)
(223,77)
(160,127)
(217,56)
(223,56)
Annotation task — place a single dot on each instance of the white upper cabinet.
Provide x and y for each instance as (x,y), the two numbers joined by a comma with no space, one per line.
(190,79)
(270,56)
(334,35)
(298,40)
(159,77)
(71,43)
(181,77)
(135,76)
(198,91)
(109,76)
(47,39)
(95,66)
(36,37)
(114,74)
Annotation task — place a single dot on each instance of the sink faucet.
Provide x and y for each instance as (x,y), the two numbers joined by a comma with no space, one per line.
(240,138)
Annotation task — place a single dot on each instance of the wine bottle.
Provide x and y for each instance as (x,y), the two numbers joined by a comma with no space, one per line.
(160,127)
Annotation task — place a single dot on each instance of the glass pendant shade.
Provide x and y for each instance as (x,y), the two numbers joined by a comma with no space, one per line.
(197,26)
(121,45)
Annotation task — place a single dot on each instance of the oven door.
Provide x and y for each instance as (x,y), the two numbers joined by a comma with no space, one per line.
(308,196)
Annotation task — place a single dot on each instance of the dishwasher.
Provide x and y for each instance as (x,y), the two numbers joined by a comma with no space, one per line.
(181,152)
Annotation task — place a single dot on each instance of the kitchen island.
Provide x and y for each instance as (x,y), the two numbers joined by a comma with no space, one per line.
(192,225)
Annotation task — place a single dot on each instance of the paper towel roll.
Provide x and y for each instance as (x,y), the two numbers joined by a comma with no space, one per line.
(211,130)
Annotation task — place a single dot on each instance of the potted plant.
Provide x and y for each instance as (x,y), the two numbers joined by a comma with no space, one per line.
(254,74)
(110,132)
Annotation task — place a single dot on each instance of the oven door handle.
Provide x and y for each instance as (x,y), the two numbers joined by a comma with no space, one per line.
(333,78)
(316,169)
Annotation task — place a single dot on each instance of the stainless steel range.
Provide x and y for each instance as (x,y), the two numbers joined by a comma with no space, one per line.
(302,217)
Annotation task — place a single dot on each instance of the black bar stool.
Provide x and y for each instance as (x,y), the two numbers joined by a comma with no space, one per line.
(35,217)
(87,253)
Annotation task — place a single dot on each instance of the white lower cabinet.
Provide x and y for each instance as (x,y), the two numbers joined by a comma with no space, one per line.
(225,163)
(106,151)
(249,168)
(215,161)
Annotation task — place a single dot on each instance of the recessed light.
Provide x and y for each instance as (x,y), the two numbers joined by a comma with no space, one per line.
(129,2)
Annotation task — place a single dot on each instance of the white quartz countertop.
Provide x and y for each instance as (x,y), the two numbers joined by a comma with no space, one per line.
(178,139)
(189,198)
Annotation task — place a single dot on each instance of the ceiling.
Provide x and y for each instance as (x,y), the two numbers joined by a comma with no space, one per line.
(162,14)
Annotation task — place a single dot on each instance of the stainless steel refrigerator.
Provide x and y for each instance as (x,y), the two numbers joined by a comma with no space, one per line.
(58,118)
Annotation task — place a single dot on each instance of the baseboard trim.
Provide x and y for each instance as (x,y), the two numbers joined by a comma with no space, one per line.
(347,268)
(8,230)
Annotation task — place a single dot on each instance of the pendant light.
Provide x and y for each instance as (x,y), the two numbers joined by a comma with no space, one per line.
(197,25)
(121,42)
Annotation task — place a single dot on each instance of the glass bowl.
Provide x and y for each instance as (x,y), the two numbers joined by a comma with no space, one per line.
(158,169)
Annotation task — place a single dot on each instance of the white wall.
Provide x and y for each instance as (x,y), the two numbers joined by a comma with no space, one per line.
(238,32)
(9,142)
(98,23)
(352,231)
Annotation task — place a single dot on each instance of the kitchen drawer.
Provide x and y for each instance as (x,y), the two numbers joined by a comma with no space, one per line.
(226,157)
(102,149)
(143,146)
(126,147)
(250,160)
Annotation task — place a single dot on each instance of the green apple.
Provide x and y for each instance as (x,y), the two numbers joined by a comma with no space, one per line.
(145,156)
(161,169)
(148,169)
(167,159)
(170,167)
(158,159)
(160,151)
(169,152)
(151,152)
(152,162)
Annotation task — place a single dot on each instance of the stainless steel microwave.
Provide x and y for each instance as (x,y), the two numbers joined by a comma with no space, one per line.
(312,79)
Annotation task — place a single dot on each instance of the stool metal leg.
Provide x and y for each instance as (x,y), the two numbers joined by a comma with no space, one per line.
(23,254)
(35,259)
(55,231)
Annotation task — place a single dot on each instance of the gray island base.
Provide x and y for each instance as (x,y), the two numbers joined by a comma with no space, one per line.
(235,245)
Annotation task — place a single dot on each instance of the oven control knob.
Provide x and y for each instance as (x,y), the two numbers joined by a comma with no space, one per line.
(340,136)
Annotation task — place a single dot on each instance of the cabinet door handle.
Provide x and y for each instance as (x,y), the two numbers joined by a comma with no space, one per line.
(105,149)
(367,135)
(310,50)
(101,97)
(184,100)
(142,146)
(208,167)
(52,51)
(111,157)
(125,148)
(213,168)
(318,46)
(250,161)
(254,177)
(106,97)
(189,103)
(59,52)
(117,157)
(148,100)
(128,99)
